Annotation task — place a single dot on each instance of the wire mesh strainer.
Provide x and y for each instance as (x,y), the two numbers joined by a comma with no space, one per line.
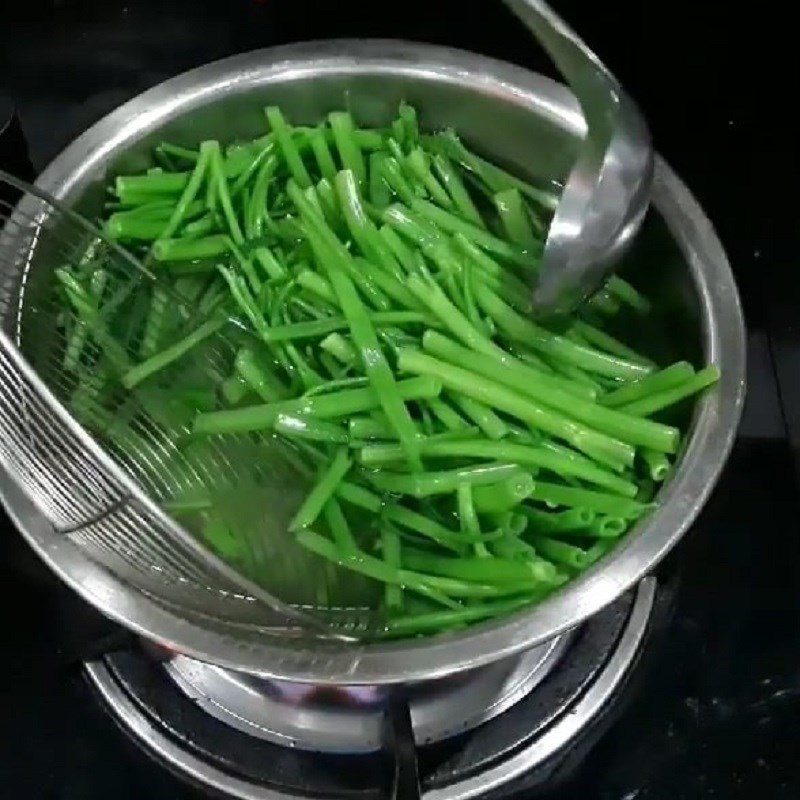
(112,499)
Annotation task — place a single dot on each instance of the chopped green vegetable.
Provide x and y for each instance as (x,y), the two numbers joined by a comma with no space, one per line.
(341,318)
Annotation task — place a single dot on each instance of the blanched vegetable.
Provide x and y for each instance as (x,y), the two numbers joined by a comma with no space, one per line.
(462,459)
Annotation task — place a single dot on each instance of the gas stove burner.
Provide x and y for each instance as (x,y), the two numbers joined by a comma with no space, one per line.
(249,739)
(349,719)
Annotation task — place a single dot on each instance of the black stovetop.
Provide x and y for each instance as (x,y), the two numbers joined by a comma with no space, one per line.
(714,711)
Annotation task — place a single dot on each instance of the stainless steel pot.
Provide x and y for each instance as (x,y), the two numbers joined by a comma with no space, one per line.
(523,120)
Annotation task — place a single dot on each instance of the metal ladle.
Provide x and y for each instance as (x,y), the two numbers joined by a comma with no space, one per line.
(607,193)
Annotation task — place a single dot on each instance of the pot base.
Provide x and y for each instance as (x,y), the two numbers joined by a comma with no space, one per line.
(349,719)
(544,701)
